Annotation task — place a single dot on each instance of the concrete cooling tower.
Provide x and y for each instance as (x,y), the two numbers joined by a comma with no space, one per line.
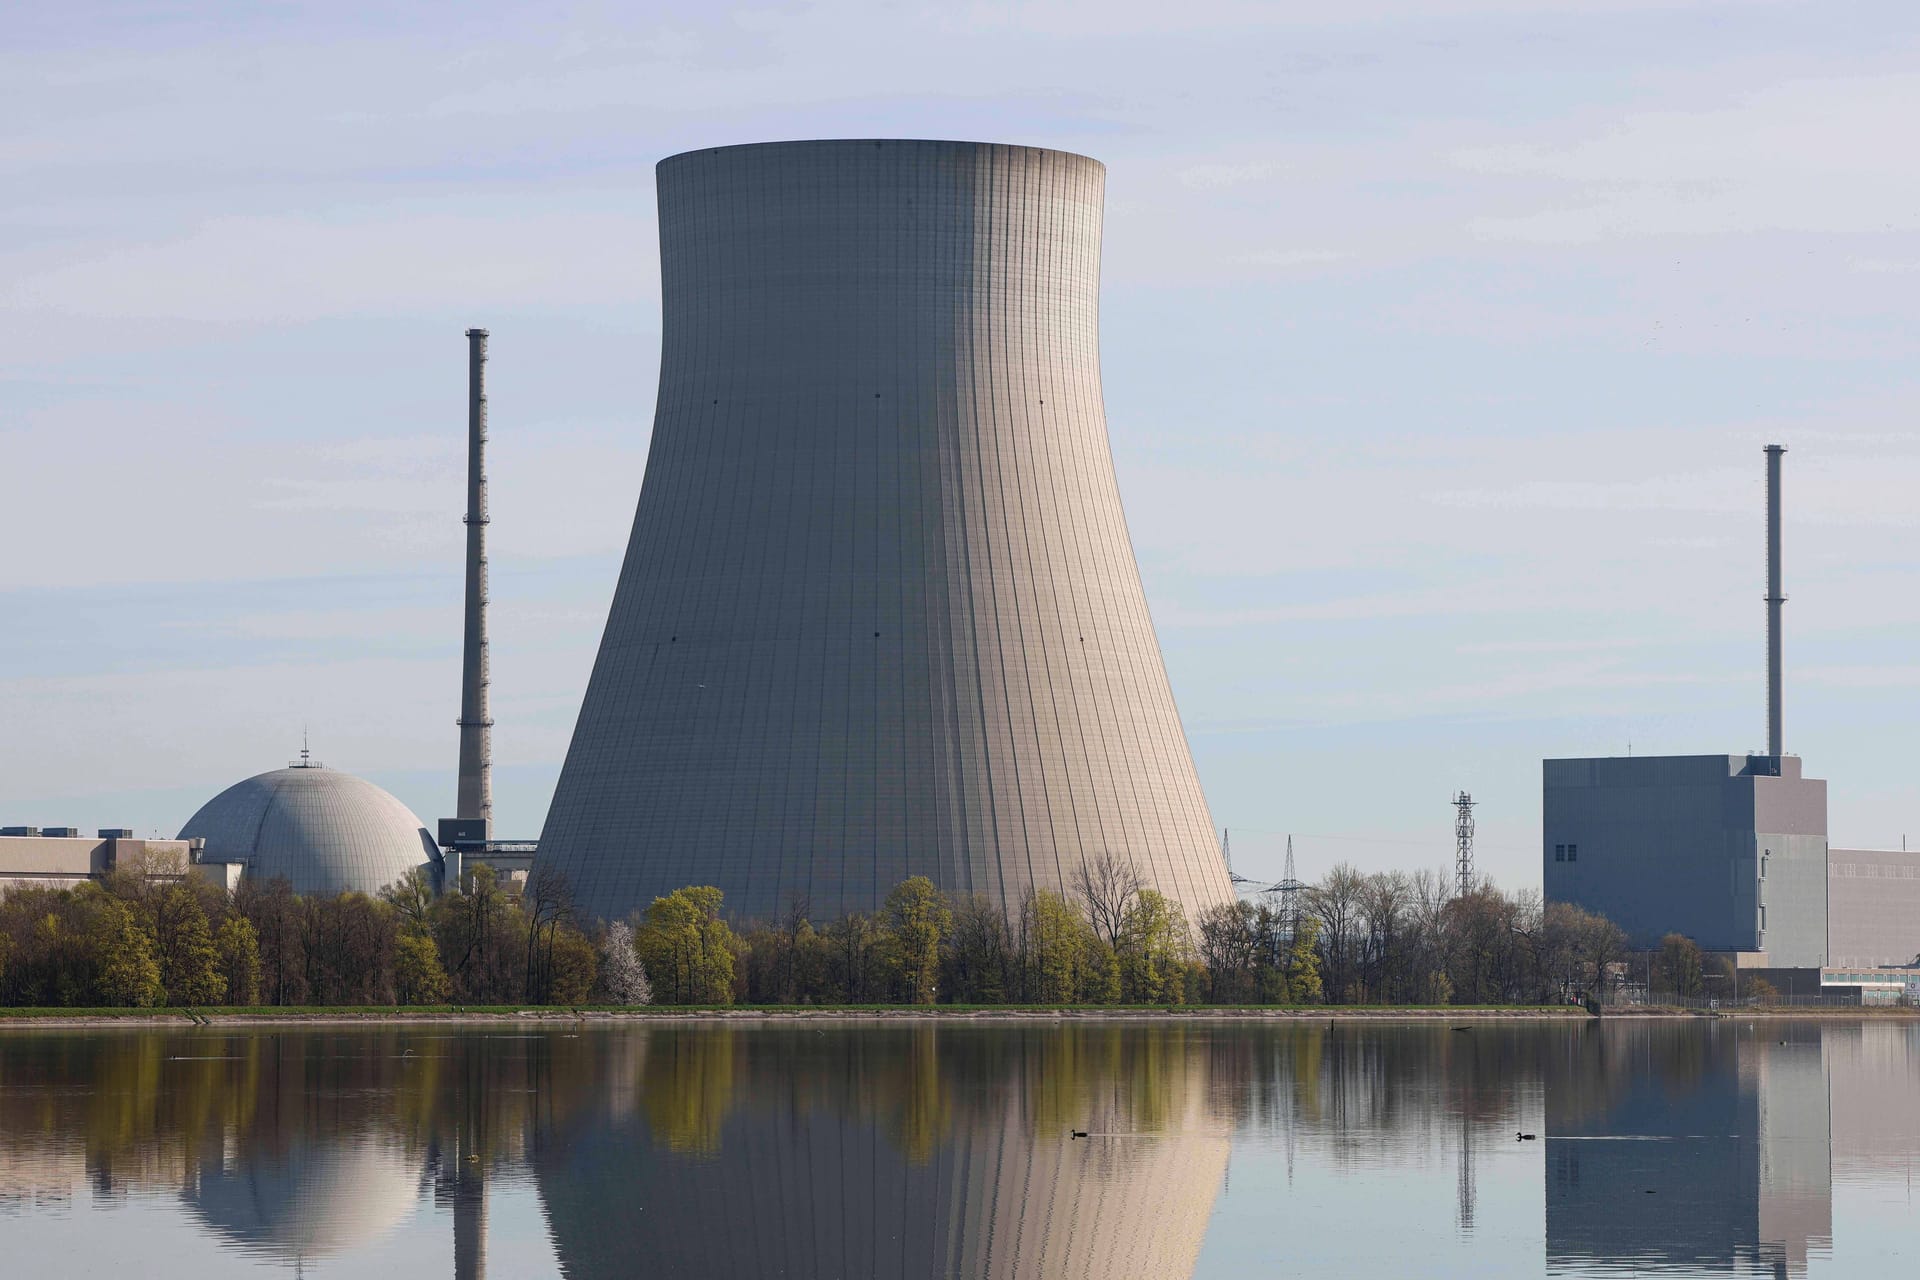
(879,616)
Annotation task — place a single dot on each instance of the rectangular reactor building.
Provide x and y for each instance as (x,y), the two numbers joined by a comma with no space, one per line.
(1729,850)
(1874,895)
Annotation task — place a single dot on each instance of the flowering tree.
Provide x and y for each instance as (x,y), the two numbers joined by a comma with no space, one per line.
(625,976)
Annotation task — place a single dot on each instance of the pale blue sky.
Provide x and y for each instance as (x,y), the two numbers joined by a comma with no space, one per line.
(1442,337)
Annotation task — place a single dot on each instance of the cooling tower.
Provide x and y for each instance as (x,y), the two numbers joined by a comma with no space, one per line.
(879,616)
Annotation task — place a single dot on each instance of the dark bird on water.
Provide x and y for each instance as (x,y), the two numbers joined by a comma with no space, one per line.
(1078,1133)
(1523,1137)
(1462,1028)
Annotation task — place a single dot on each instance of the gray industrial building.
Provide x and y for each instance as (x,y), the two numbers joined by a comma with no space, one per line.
(879,616)
(1873,904)
(1729,850)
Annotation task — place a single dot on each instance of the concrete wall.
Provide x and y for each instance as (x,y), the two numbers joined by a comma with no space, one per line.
(1874,906)
(56,861)
(1677,844)
(1790,836)
(879,615)
(63,862)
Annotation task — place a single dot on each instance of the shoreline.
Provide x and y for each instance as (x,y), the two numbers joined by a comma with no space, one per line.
(21,1019)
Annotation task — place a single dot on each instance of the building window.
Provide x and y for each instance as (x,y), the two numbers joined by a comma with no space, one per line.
(1573,853)
(1559,853)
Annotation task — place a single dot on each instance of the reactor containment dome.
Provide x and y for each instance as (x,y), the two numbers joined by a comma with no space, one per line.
(879,616)
(325,831)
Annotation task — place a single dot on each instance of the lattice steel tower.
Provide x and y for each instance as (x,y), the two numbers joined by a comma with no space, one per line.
(1463,843)
(1289,891)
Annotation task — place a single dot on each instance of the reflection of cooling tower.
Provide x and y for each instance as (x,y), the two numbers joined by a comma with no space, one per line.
(767,1155)
(818,1197)
(879,616)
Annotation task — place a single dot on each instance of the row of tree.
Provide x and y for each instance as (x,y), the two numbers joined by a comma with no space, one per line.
(151,935)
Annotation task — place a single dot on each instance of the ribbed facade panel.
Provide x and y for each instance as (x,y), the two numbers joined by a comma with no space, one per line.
(879,615)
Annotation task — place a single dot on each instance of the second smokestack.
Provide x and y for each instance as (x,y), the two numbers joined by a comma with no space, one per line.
(1774,600)
(476,715)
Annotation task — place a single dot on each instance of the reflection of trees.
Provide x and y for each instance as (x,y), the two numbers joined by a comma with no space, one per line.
(952,1128)
(1360,1090)
(689,1089)
(290,1141)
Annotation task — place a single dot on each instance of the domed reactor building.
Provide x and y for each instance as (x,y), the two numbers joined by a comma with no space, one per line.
(322,830)
(879,616)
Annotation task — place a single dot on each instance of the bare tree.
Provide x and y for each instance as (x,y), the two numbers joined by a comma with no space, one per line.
(1335,904)
(1386,899)
(548,904)
(1107,886)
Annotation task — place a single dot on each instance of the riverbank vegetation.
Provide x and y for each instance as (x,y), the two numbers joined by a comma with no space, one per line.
(149,936)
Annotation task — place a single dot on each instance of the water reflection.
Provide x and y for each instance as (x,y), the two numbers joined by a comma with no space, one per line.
(945,1150)
(890,1152)
(1720,1147)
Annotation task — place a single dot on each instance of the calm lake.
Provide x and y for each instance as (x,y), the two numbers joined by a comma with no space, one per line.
(832,1149)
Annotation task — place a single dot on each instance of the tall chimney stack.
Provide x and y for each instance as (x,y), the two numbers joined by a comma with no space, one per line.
(476,718)
(1774,600)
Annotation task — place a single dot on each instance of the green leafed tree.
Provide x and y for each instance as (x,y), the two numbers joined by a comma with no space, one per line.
(917,919)
(1154,950)
(189,961)
(1066,962)
(239,948)
(687,948)
(412,897)
(129,976)
(1303,964)
(418,977)
(572,967)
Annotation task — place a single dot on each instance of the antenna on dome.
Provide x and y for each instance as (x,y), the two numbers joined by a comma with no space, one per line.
(306,760)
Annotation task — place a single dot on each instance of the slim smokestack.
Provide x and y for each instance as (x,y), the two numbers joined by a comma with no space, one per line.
(1774,600)
(476,718)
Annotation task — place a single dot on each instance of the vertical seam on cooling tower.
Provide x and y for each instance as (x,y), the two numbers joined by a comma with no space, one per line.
(996,366)
(971,313)
(785,649)
(950,475)
(919,775)
(735,657)
(1096,457)
(1030,312)
(893,627)
(1041,448)
(1072,529)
